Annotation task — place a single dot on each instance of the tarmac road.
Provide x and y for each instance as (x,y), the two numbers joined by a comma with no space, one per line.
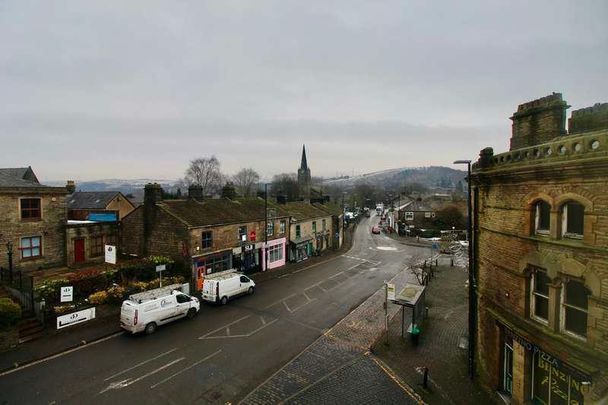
(226,351)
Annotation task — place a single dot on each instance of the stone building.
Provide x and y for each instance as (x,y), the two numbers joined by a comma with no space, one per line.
(98,205)
(311,230)
(209,235)
(32,221)
(541,254)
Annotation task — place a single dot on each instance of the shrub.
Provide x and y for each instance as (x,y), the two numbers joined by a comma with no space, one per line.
(99,298)
(116,294)
(157,260)
(49,290)
(10,312)
(64,309)
(87,282)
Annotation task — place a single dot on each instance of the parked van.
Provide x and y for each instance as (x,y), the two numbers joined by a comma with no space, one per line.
(145,311)
(222,286)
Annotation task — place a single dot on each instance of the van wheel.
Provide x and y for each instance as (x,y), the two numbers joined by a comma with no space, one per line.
(224,300)
(191,313)
(251,290)
(150,328)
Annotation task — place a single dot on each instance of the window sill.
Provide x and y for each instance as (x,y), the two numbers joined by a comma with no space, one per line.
(573,236)
(31,219)
(542,232)
(31,258)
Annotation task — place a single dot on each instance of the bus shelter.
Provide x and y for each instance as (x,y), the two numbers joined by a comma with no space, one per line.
(412,296)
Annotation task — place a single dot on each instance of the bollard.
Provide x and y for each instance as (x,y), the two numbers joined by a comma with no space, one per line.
(425,378)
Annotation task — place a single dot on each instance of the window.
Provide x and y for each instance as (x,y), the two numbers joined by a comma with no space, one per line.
(182,298)
(30,208)
(314,226)
(96,246)
(551,384)
(213,264)
(275,253)
(540,296)
(282,227)
(572,220)
(409,216)
(427,214)
(270,228)
(324,225)
(31,247)
(542,215)
(244,279)
(507,372)
(242,233)
(207,239)
(574,308)
(298,234)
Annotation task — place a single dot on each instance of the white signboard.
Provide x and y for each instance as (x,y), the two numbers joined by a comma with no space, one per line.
(161,267)
(110,254)
(67,294)
(75,318)
(390,289)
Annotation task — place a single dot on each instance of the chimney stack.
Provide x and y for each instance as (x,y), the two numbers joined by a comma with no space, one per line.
(71,186)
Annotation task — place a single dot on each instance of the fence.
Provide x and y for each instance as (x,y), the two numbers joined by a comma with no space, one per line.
(21,287)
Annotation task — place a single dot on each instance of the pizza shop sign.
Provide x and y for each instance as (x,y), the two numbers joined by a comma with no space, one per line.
(532,347)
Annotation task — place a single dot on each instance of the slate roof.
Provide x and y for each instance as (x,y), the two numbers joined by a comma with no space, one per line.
(302,211)
(330,208)
(19,177)
(220,211)
(81,200)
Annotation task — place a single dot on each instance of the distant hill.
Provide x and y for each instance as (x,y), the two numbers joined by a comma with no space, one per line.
(135,186)
(431,177)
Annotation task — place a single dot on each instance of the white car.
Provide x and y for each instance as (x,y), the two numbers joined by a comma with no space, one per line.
(220,287)
(145,311)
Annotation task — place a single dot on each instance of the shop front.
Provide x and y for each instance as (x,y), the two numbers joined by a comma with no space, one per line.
(275,254)
(246,258)
(301,250)
(209,264)
(530,373)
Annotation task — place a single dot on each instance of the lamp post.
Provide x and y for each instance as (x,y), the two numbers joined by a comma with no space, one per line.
(9,252)
(265,226)
(472,282)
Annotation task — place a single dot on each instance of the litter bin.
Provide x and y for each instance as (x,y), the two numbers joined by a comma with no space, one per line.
(415,335)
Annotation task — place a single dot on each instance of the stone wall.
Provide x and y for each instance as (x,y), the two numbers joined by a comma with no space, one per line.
(589,119)
(50,227)
(106,230)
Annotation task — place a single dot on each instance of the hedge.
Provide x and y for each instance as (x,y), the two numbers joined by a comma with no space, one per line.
(10,312)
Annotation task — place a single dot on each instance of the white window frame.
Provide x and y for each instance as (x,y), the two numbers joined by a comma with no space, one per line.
(282,226)
(562,315)
(537,219)
(270,228)
(533,301)
(565,233)
(427,214)
(275,253)
(409,216)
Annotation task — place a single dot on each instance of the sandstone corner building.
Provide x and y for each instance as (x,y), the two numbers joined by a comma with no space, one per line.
(541,257)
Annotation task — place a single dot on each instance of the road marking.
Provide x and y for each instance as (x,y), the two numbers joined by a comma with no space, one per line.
(141,364)
(59,354)
(265,325)
(185,369)
(286,306)
(125,383)
(389,248)
(227,327)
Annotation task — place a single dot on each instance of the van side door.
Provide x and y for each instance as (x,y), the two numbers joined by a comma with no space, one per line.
(168,307)
(183,304)
(245,282)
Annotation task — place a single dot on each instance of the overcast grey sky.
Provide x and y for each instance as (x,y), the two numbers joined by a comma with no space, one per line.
(132,89)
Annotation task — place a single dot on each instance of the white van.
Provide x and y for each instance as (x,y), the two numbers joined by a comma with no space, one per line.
(222,286)
(145,311)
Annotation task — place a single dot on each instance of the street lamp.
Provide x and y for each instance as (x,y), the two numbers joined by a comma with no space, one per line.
(472,283)
(265,226)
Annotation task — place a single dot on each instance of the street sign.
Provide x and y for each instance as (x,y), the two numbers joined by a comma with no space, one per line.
(67,294)
(110,254)
(390,289)
(252,236)
(161,267)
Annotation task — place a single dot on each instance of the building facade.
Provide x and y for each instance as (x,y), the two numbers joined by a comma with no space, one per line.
(32,221)
(541,257)
(310,230)
(98,205)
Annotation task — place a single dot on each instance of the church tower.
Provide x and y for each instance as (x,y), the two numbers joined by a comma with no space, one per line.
(304,177)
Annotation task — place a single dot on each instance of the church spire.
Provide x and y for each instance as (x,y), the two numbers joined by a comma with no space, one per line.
(304,164)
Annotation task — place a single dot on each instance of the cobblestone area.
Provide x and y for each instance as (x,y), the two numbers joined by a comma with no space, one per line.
(337,367)
(438,349)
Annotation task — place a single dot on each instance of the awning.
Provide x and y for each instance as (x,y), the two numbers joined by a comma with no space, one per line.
(301,241)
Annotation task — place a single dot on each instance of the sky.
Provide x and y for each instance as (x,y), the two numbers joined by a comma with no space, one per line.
(114,89)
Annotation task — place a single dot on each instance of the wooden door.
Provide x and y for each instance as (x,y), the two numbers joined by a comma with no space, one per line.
(78,250)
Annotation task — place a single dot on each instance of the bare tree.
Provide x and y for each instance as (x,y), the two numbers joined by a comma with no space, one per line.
(418,268)
(205,172)
(285,184)
(246,181)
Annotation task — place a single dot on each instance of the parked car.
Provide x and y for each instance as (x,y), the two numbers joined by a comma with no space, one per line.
(220,287)
(376,230)
(145,311)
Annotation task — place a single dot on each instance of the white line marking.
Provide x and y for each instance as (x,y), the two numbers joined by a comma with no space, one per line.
(224,327)
(241,336)
(140,364)
(185,369)
(287,307)
(60,354)
(263,320)
(280,301)
(125,383)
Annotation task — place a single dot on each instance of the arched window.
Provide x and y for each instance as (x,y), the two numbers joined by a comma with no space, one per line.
(573,215)
(542,217)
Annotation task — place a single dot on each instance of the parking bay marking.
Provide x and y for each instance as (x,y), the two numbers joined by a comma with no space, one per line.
(265,324)
(186,369)
(125,383)
(141,364)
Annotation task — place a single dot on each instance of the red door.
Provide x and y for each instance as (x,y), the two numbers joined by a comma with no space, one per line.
(78,250)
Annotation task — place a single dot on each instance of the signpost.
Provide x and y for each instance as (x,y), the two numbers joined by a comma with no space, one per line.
(110,254)
(159,269)
(390,291)
(67,294)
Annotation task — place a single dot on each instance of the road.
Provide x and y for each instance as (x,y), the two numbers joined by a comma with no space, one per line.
(226,351)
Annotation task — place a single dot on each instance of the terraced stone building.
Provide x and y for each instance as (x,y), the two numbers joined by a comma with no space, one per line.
(541,256)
